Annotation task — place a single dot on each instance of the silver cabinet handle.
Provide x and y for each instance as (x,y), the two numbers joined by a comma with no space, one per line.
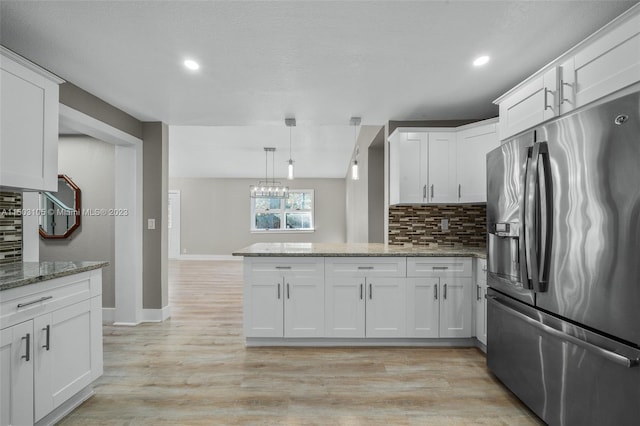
(278,290)
(435,291)
(47,330)
(26,355)
(605,353)
(365,267)
(361,291)
(424,192)
(283,267)
(370,291)
(431,191)
(546,102)
(440,268)
(444,292)
(562,98)
(288,295)
(477,292)
(33,302)
(459,191)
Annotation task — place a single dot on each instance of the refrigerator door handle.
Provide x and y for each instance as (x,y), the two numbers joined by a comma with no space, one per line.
(526,213)
(545,208)
(602,352)
(538,217)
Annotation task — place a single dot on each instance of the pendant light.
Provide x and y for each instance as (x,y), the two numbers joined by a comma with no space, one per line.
(355,121)
(269,188)
(290,122)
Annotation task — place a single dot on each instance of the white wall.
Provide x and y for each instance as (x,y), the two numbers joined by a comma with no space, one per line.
(90,164)
(216,213)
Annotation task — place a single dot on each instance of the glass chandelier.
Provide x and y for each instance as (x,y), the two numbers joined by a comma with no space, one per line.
(269,188)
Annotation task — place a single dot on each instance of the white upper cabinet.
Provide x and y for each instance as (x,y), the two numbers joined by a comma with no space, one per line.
(474,142)
(28,125)
(533,103)
(438,166)
(607,61)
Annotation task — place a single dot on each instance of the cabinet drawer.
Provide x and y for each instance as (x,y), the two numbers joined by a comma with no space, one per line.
(284,264)
(439,267)
(367,266)
(481,271)
(24,303)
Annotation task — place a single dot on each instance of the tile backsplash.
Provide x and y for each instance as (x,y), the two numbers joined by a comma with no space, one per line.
(421,225)
(10,227)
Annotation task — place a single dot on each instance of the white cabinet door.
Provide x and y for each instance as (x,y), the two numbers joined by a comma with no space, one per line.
(304,305)
(473,144)
(263,305)
(423,311)
(442,168)
(608,63)
(481,313)
(62,356)
(29,131)
(455,307)
(529,105)
(385,307)
(344,306)
(481,301)
(16,371)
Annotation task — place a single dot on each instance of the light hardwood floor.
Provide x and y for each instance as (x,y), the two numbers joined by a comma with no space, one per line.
(195,369)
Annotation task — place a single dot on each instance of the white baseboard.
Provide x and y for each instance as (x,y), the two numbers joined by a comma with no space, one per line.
(362,342)
(208,257)
(156,315)
(148,315)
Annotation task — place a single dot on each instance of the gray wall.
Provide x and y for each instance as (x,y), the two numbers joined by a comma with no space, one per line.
(155,194)
(365,196)
(89,163)
(376,188)
(80,100)
(215,214)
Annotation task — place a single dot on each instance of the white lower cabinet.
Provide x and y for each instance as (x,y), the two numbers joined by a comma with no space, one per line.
(481,301)
(439,297)
(16,370)
(54,352)
(365,307)
(357,297)
(365,297)
(284,297)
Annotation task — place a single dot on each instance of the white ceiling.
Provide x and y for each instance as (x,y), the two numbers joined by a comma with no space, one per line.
(318,61)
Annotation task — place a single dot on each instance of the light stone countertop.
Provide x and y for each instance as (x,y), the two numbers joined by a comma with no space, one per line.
(355,249)
(24,273)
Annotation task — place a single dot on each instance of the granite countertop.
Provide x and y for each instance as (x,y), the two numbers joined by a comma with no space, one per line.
(23,273)
(357,249)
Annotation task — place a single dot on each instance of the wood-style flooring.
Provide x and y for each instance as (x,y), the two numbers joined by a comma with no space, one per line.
(195,369)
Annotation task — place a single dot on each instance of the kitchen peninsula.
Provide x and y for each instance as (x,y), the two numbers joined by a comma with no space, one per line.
(50,338)
(310,294)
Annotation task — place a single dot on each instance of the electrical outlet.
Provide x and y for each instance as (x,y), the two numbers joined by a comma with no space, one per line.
(444,224)
(151,224)
(184,251)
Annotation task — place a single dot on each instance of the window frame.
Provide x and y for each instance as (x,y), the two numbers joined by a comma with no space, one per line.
(282,210)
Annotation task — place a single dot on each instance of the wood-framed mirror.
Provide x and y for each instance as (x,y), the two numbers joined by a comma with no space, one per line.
(60,210)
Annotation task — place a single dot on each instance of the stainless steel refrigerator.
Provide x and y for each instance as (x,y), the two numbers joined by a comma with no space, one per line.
(563,219)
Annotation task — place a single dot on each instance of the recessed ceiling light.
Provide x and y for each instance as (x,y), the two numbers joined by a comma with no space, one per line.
(191,64)
(480,61)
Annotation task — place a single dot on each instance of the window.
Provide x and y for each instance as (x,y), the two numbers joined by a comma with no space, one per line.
(294,213)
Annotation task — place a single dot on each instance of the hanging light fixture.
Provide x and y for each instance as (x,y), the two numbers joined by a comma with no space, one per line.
(290,122)
(355,121)
(269,188)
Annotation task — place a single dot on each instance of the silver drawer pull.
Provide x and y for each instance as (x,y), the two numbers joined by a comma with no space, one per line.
(283,267)
(365,267)
(33,302)
(440,268)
